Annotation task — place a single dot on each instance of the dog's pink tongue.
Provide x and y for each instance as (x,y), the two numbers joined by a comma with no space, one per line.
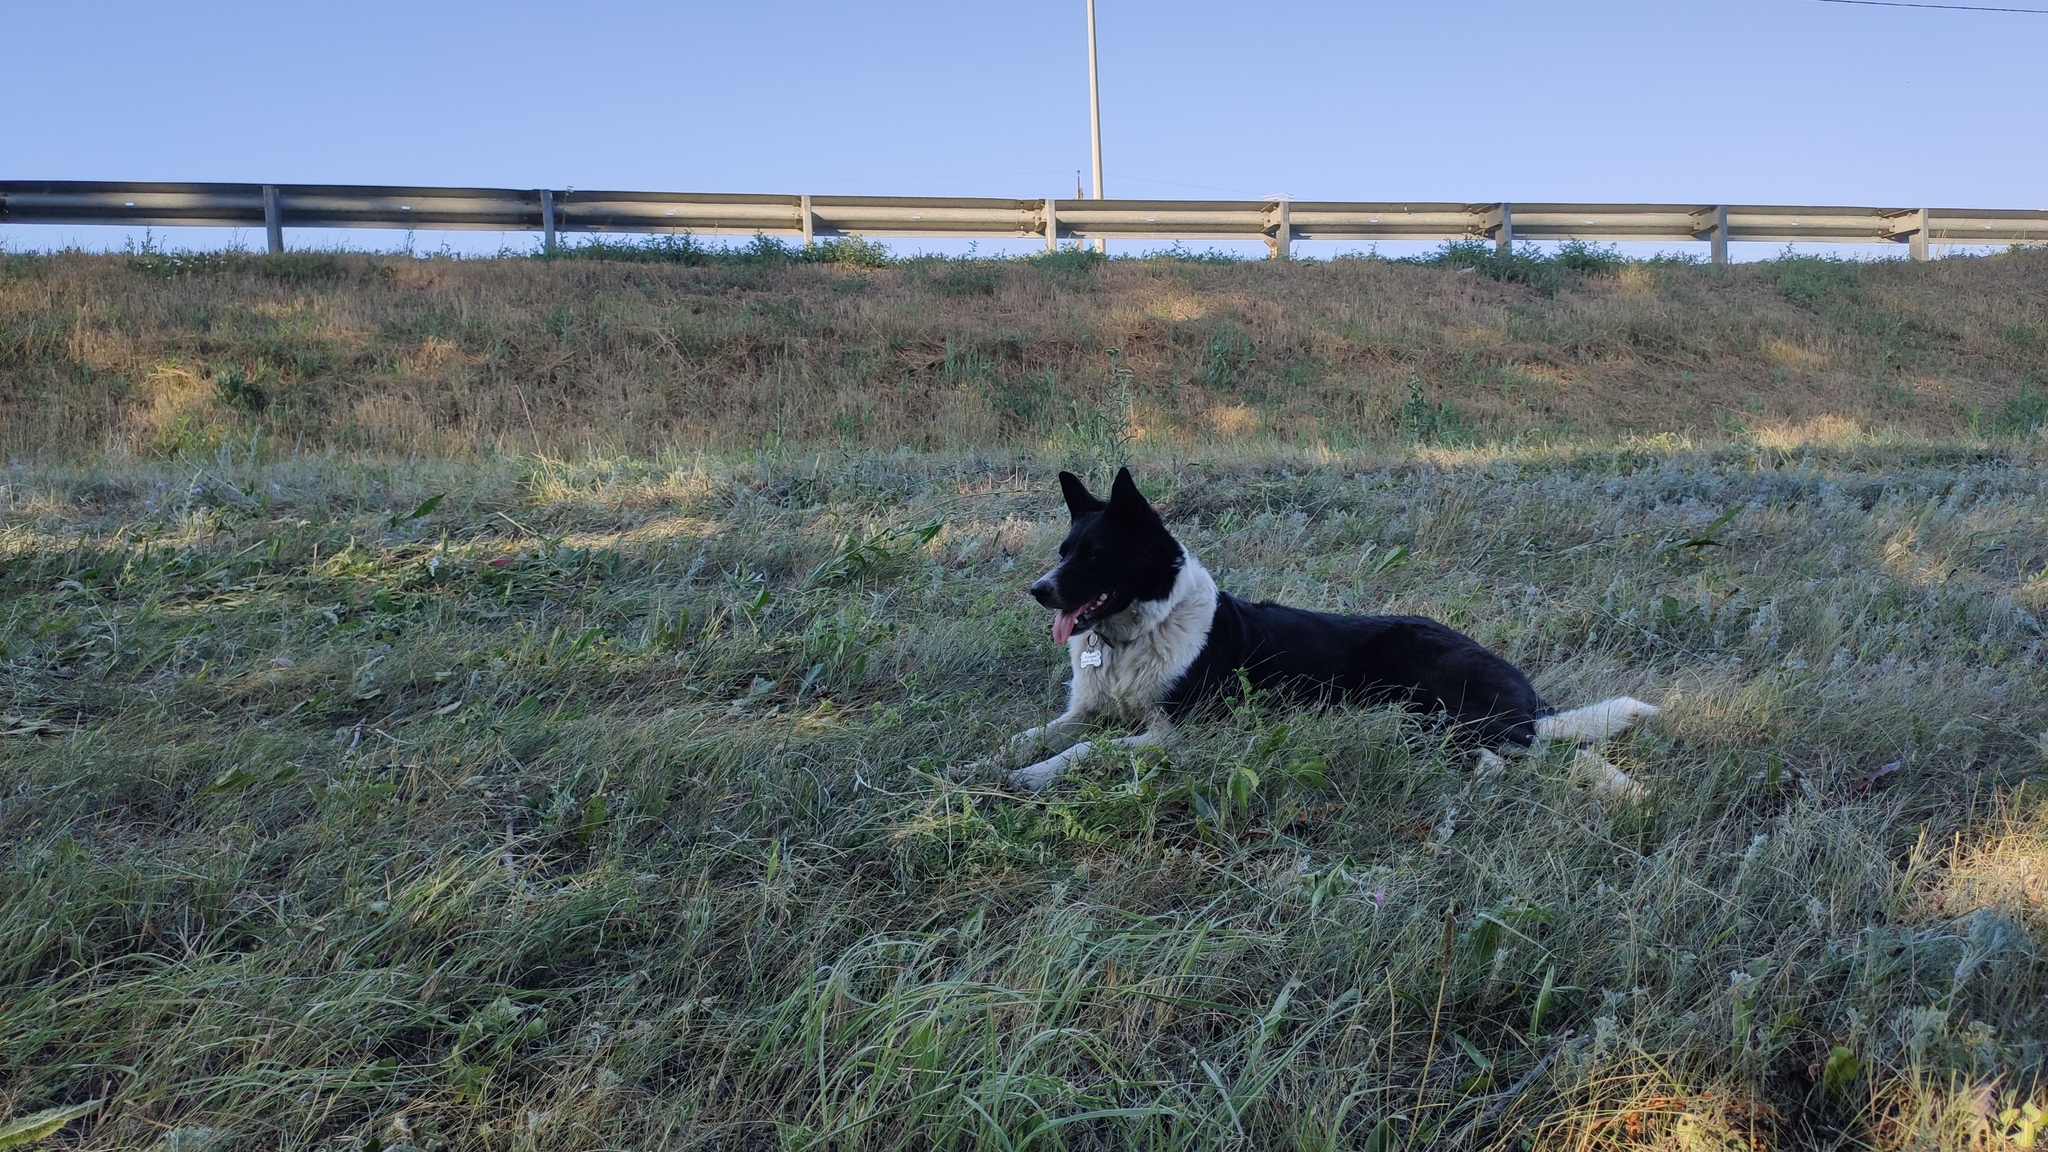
(1063,624)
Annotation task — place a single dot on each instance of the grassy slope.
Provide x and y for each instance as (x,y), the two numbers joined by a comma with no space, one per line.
(441,356)
(605,804)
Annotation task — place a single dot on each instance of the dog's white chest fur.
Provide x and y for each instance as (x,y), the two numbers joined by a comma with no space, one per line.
(1127,663)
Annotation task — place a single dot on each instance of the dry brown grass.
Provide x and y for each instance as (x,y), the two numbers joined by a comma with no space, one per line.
(396,355)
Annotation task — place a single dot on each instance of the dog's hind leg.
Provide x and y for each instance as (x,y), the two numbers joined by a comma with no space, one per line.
(1595,722)
(1581,726)
(1609,782)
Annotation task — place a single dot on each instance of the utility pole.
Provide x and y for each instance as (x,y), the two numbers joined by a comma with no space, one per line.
(1095,113)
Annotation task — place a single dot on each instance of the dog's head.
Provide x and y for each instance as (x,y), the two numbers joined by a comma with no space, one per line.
(1117,553)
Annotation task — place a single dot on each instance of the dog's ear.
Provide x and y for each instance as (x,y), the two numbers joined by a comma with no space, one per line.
(1124,496)
(1080,501)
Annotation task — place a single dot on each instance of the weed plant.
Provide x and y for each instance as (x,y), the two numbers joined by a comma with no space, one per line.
(1525,263)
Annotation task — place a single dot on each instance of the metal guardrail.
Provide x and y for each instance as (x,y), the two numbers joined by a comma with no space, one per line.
(1278,222)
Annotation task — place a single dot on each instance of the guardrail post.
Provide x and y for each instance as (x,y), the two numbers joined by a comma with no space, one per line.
(547,221)
(1504,234)
(1717,241)
(1052,227)
(1282,242)
(803,209)
(1917,246)
(273,219)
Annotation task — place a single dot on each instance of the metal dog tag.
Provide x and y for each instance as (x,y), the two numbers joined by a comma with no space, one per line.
(1092,652)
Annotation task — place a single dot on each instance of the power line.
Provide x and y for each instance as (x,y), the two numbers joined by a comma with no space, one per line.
(1185,184)
(1943,7)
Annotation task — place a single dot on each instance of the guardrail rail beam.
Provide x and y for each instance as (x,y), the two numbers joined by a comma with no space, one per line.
(1277,222)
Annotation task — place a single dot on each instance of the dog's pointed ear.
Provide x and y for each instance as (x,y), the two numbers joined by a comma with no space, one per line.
(1080,501)
(1124,495)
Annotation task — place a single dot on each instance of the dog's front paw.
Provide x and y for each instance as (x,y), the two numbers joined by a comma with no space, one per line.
(1033,777)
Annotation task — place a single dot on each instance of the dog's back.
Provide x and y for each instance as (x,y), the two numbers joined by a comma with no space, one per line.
(1411,660)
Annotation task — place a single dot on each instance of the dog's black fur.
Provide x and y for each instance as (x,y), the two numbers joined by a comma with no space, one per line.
(1119,553)
(1410,660)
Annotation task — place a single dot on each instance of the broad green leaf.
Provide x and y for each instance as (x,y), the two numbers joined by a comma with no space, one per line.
(36,1126)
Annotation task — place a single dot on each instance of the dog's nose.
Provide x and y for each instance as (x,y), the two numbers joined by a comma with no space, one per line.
(1042,591)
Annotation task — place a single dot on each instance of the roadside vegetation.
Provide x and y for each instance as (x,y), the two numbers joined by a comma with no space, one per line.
(521,704)
(640,347)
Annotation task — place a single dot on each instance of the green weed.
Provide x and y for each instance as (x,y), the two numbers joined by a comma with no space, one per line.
(1438,423)
(1228,356)
(1526,263)
(1101,434)
(1071,264)
(2026,412)
(237,389)
(1816,282)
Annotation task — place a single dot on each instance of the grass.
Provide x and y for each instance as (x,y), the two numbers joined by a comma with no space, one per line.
(642,347)
(763,252)
(487,799)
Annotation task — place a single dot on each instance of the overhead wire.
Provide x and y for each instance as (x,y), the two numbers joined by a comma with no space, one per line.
(1943,7)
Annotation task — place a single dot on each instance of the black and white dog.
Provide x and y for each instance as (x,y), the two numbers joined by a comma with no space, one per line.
(1150,635)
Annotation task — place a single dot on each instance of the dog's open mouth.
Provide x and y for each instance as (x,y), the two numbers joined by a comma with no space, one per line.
(1064,624)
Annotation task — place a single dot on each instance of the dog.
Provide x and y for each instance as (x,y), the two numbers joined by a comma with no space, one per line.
(1150,635)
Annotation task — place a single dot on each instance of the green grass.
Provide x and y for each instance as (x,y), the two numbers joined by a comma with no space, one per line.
(523,803)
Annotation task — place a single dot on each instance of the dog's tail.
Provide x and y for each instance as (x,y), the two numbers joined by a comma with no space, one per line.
(1595,722)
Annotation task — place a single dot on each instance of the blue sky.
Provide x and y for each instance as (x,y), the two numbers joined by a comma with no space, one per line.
(1757,101)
